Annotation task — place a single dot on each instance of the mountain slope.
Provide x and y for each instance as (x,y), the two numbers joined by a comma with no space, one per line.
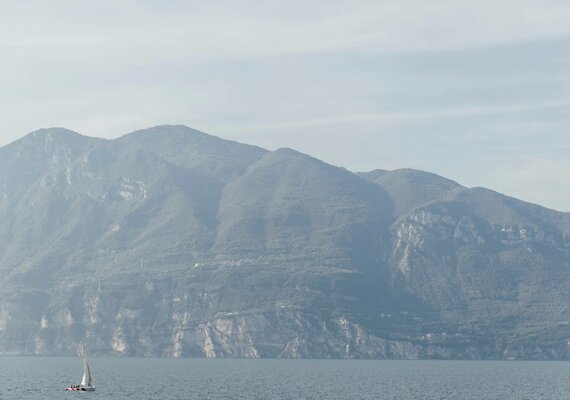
(492,268)
(412,188)
(172,242)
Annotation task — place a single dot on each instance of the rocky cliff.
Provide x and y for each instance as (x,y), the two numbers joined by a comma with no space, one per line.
(171,242)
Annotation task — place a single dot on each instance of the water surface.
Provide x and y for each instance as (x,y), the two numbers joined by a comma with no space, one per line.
(137,378)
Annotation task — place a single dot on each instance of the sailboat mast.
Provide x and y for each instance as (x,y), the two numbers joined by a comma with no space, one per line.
(87,381)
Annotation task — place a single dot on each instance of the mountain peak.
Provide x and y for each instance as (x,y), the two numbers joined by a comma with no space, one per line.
(190,148)
(54,131)
(183,136)
(50,139)
(172,130)
(411,188)
(55,134)
(372,175)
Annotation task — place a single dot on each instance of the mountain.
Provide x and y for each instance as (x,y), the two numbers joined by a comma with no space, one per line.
(172,242)
(411,188)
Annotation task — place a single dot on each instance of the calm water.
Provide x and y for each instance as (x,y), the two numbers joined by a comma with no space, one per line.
(120,378)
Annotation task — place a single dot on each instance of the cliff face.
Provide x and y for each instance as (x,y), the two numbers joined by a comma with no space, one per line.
(171,242)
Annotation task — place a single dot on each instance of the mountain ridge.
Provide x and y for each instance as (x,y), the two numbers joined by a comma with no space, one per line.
(172,242)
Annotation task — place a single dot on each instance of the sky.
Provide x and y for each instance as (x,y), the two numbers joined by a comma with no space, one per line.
(476,91)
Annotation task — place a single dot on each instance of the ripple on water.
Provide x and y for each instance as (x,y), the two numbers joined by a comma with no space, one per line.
(168,379)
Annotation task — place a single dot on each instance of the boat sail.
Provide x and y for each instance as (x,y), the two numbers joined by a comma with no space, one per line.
(87,382)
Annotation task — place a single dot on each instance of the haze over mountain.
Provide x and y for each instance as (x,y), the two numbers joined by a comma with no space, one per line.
(172,242)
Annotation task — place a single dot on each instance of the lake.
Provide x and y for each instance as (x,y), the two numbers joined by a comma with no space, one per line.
(138,378)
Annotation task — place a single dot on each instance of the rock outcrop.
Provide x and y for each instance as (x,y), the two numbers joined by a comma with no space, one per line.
(170,242)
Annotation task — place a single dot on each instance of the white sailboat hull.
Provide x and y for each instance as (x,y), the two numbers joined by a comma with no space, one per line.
(81,389)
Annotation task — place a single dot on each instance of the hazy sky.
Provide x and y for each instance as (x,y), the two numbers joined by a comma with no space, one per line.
(477,91)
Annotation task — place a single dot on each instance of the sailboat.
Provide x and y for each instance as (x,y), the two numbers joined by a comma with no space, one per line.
(87,383)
